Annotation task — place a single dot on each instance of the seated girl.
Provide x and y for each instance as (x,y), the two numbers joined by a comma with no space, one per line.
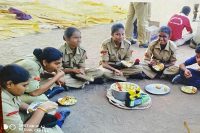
(74,61)
(13,82)
(45,62)
(117,49)
(161,51)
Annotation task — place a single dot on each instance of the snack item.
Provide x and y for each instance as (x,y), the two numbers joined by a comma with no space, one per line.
(158,67)
(119,86)
(127,63)
(67,100)
(158,86)
(165,89)
(125,86)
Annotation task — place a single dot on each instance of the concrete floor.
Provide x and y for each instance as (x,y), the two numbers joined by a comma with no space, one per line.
(93,113)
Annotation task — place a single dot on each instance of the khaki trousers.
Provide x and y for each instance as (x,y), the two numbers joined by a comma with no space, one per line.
(76,83)
(141,12)
(136,69)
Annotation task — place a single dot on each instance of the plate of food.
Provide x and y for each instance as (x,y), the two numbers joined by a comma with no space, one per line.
(189,89)
(67,100)
(157,89)
(127,63)
(158,67)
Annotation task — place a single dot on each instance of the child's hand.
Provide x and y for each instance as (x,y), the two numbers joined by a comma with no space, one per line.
(187,73)
(118,72)
(153,63)
(78,71)
(60,74)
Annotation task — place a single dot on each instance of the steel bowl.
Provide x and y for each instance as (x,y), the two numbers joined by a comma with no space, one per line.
(121,95)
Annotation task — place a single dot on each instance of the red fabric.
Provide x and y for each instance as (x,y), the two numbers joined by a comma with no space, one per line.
(12,113)
(177,23)
(58,115)
(137,62)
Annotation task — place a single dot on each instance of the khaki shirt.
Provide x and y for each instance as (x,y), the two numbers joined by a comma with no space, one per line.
(168,55)
(34,67)
(110,53)
(11,117)
(71,60)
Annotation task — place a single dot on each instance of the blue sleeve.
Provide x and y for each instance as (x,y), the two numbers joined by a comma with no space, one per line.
(190,61)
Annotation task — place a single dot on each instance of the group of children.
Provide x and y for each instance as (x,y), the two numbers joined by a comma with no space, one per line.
(51,71)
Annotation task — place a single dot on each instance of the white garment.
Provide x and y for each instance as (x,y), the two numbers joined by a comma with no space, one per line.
(184,39)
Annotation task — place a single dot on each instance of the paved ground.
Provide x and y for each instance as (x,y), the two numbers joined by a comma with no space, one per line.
(93,113)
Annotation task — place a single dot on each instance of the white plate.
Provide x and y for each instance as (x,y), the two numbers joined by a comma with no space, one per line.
(157,89)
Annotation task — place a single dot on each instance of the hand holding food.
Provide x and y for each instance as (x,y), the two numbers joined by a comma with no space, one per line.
(118,72)
(187,73)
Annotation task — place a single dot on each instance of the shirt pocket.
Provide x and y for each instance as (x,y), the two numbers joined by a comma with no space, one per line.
(77,60)
(66,64)
(113,57)
(66,61)
(122,54)
(166,56)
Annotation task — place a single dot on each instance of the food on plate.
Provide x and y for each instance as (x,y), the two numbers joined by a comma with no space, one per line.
(127,63)
(158,67)
(158,87)
(189,89)
(67,100)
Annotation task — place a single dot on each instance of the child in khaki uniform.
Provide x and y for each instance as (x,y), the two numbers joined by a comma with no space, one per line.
(74,61)
(13,82)
(161,51)
(113,51)
(49,59)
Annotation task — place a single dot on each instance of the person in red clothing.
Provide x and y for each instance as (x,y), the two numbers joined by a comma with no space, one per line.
(177,23)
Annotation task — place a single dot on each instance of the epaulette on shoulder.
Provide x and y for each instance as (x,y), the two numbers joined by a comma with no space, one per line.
(127,41)
(63,46)
(81,48)
(172,46)
(106,41)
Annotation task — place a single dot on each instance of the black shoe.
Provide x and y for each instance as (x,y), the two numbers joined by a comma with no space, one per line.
(137,76)
(177,79)
(188,42)
(145,76)
(143,45)
(66,88)
(99,81)
(133,42)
